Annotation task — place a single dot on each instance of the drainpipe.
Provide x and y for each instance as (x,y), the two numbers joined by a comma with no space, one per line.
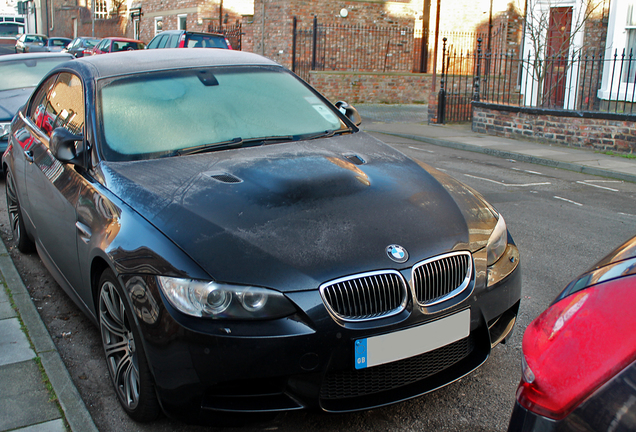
(93,18)
(52,18)
(263,28)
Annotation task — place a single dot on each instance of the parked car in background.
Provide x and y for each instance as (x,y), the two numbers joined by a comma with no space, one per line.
(243,259)
(579,356)
(57,44)
(117,44)
(81,46)
(30,42)
(188,39)
(20,74)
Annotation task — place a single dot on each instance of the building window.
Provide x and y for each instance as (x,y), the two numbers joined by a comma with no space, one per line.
(183,21)
(136,28)
(101,9)
(158,25)
(630,44)
(618,82)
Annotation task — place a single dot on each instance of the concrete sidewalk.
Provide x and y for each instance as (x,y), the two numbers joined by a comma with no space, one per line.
(28,358)
(409,121)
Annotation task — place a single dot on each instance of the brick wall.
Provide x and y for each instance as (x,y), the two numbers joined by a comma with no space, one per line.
(598,131)
(373,87)
(66,14)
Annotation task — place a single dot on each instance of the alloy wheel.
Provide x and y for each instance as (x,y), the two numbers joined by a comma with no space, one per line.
(13,207)
(119,345)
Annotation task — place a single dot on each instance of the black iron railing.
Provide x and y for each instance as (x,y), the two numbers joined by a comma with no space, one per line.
(331,47)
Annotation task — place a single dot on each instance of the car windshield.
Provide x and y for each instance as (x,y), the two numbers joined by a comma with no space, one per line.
(35,39)
(90,43)
(26,73)
(164,113)
(126,46)
(204,41)
(58,42)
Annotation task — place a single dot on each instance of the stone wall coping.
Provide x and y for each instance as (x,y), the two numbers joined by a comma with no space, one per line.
(556,112)
(371,73)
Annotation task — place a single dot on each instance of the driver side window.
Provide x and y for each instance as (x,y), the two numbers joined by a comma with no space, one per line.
(59,103)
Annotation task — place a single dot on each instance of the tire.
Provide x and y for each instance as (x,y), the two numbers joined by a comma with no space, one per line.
(18,229)
(124,352)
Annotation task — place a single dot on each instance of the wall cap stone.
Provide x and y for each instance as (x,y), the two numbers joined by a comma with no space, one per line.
(556,112)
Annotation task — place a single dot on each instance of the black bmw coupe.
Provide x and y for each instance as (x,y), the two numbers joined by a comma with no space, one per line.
(243,246)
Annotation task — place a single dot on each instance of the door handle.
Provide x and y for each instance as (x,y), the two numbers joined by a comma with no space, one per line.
(84,232)
(29,156)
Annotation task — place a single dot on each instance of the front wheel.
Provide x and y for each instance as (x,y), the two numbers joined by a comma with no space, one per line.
(125,356)
(18,230)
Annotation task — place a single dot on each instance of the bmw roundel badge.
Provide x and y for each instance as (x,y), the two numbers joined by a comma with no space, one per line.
(397,253)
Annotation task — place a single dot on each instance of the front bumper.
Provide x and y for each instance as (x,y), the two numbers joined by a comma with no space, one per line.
(203,367)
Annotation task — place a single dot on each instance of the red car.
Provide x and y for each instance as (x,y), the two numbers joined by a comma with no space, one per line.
(579,365)
(115,44)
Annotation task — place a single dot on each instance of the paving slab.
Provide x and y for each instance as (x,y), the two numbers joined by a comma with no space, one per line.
(22,387)
(6,311)
(14,345)
(50,426)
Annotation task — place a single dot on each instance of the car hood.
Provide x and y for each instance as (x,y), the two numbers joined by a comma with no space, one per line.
(12,100)
(291,216)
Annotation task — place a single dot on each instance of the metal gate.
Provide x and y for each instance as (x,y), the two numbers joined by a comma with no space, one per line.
(232,33)
(459,84)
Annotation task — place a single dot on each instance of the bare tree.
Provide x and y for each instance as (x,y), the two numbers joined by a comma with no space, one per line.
(553,35)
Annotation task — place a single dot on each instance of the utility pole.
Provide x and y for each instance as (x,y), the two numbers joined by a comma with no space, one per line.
(221,15)
(436,41)
(426,22)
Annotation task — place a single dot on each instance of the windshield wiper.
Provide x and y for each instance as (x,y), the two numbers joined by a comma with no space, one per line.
(223,145)
(268,140)
(323,134)
(249,142)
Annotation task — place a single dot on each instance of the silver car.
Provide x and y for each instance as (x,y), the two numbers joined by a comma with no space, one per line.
(29,42)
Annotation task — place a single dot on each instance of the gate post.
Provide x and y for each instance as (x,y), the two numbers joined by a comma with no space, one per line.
(477,79)
(441,96)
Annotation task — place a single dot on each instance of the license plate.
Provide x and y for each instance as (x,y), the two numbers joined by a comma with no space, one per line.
(407,343)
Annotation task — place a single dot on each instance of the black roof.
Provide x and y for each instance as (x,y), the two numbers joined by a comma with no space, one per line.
(139,61)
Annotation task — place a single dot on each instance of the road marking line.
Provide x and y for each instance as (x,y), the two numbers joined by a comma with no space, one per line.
(527,171)
(626,214)
(597,186)
(604,181)
(427,151)
(507,184)
(567,200)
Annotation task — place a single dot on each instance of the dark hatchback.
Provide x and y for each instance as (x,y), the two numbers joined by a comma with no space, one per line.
(20,74)
(188,39)
(244,247)
(81,46)
(579,366)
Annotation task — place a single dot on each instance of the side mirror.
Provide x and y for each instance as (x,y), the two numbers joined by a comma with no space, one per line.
(350,112)
(66,146)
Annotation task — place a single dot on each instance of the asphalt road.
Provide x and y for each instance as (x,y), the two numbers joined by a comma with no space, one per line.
(562,222)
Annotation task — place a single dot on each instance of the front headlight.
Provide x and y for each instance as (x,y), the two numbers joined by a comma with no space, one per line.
(221,301)
(5,128)
(497,242)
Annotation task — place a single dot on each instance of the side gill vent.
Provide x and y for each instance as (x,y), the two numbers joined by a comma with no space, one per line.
(355,159)
(224,177)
